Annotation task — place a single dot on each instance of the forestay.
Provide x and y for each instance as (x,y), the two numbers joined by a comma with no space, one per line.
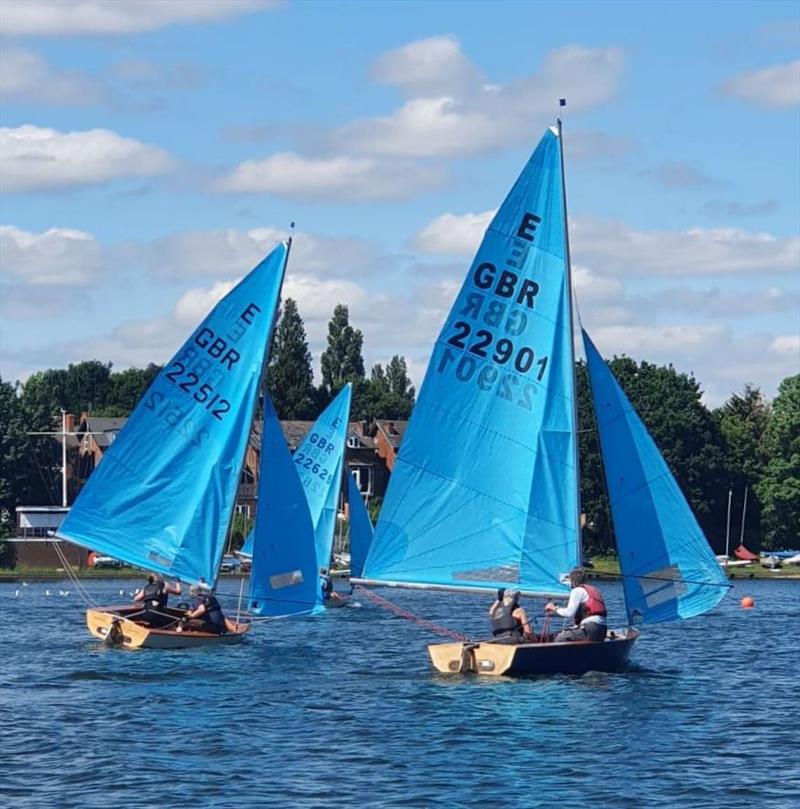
(360,528)
(318,461)
(284,579)
(484,491)
(668,568)
(163,495)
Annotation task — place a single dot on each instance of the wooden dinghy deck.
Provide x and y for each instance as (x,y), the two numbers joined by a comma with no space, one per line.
(112,625)
(569,657)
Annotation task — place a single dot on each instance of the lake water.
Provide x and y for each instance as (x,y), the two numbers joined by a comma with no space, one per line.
(344,709)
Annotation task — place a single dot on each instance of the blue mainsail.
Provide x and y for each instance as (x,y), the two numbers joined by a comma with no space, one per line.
(668,568)
(163,495)
(284,579)
(318,461)
(484,492)
(360,528)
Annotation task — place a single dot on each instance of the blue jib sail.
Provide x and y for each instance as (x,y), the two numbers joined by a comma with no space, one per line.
(163,495)
(318,461)
(484,491)
(668,568)
(284,579)
(360,528)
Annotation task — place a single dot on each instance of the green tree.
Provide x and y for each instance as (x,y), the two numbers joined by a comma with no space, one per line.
(742,422)
(15,462)
(289,375)
(342,360)
(126,388)
(397,378)
(779,487)
(669,403)
(83,386)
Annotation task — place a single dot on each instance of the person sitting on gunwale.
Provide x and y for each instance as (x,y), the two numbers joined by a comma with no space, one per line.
(585,607)
(206,612)
(153,597)
(509,620)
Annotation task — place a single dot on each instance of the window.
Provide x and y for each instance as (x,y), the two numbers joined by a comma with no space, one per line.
(363,477)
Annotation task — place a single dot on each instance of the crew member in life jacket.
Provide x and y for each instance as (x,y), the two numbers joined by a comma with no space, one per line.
(326,585)
(585,607)
(206,613)
(509,620)
(153,597)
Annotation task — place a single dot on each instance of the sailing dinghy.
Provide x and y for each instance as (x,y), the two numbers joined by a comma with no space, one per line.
(485,490)
(165,493)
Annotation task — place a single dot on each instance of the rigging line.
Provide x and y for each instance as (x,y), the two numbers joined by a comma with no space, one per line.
(667,579)
(399,611)
(73,576)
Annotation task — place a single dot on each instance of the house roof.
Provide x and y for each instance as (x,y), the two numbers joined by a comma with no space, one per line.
(393,430)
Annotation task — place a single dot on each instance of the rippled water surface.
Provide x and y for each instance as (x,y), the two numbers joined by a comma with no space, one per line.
(344,709)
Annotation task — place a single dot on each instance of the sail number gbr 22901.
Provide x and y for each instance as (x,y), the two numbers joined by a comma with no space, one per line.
(484,345)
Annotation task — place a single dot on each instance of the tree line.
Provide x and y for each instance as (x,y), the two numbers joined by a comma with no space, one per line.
(747,443)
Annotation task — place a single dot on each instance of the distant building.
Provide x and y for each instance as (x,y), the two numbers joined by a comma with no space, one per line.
(369,456)
(34,542)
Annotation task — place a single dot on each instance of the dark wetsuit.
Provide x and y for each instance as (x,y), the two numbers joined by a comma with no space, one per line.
(505,627)
(212,620)
(154,602)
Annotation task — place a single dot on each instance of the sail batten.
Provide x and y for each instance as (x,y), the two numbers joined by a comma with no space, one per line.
(163,495)
(669,571)
(485,484)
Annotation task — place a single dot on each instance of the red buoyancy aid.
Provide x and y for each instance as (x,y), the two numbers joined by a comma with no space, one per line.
(595,606)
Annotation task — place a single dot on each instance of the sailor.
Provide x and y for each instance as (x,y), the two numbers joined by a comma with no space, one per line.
(206,612)
(509,620)
(326,584)
(585,607)
(153,597)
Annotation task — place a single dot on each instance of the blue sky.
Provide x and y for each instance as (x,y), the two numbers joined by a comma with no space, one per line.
(152,152)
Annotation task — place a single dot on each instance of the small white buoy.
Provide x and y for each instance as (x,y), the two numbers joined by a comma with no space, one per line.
(122,592)
(16,593)
(47,592)
(24,584)
(66,592)
(132,594)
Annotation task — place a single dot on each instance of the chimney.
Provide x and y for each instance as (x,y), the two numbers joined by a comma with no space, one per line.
(69,420)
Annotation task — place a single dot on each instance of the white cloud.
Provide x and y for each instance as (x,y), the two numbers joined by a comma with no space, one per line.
(35,159)
(195,304)
(59,256)
(99,17)
(26,77)
(456,234)
(772,87)
(787,344)
(613,247)
(338,178)
(481,118)
(428,66)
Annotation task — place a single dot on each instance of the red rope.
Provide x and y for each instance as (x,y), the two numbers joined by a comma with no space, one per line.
(429,625)
(545,628)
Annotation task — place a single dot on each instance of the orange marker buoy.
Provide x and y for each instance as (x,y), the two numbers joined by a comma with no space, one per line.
(748,603)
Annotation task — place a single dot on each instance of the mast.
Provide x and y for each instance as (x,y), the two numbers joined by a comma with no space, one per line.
(744,516)
(264,361)
(728,529)
(575,453)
